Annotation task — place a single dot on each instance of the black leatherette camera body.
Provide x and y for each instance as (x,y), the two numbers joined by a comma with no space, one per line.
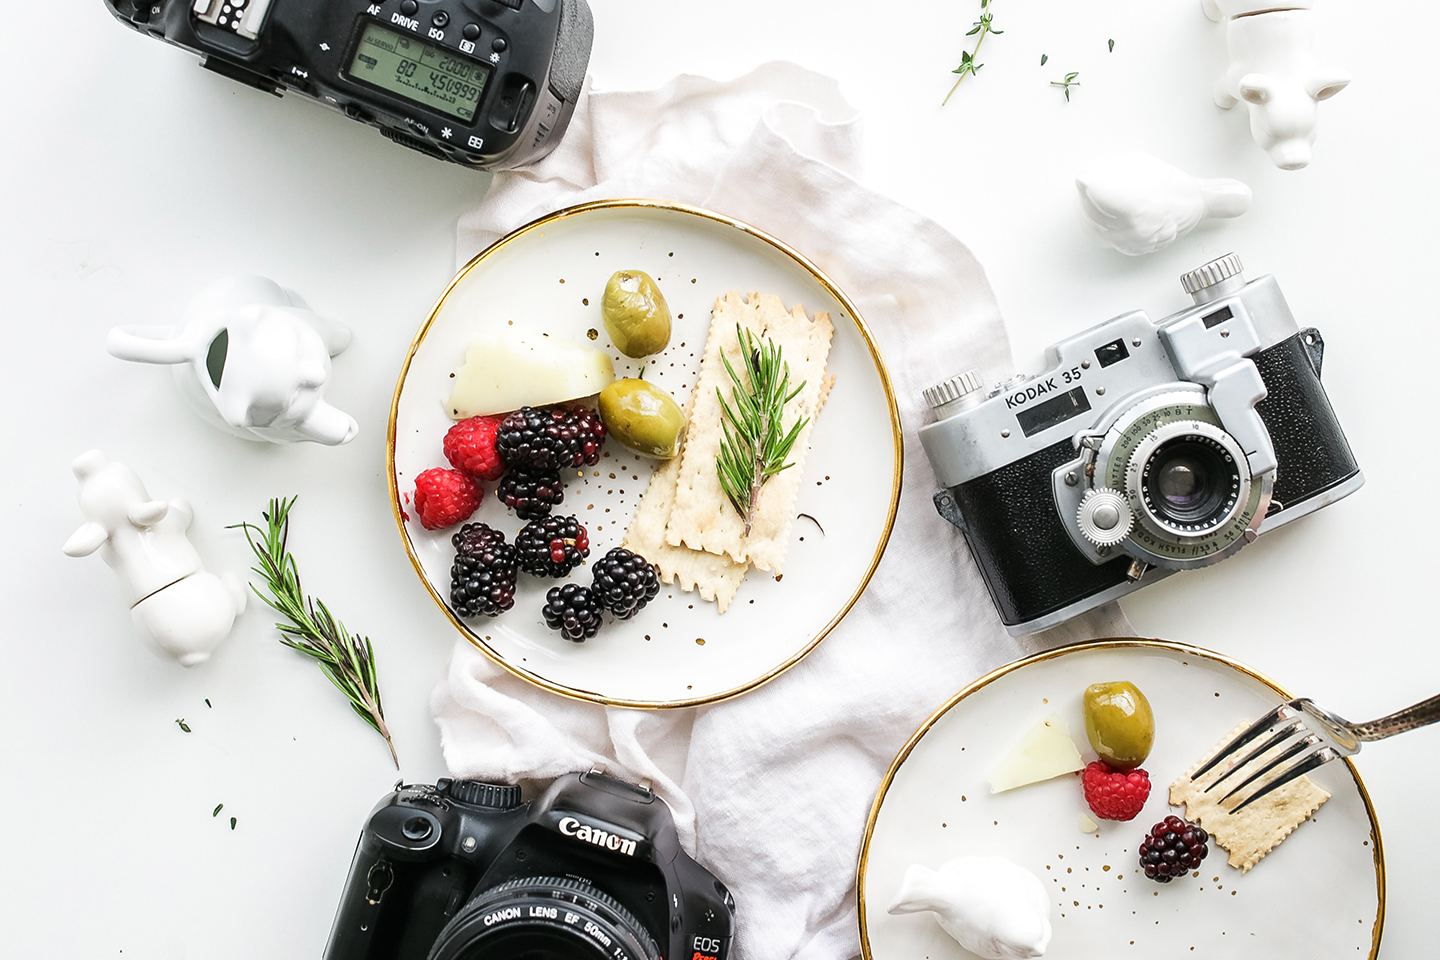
(466,870)
(526,57)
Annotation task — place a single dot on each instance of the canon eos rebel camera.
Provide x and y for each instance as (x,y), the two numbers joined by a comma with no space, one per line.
(1144,448)
(465,870)
(485,83)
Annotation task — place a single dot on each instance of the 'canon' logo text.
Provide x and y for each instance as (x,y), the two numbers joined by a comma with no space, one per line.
(601,838)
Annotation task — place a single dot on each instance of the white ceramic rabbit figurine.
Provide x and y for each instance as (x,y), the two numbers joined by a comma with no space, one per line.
(1274,70)
(1138,204)
(252,359)
(992,907)
(182,611)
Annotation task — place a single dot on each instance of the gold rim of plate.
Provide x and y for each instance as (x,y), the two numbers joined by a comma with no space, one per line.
(1083,647)
(801,261)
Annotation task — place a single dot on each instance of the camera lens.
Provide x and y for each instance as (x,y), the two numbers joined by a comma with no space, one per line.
(1191,482)
(544,918)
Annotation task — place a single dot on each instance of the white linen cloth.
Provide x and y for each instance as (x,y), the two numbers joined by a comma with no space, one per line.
(771,790)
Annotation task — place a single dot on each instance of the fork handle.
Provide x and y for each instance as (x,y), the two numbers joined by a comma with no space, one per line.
(1421,714)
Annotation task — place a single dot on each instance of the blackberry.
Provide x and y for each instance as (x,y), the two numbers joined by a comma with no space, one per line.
(530,495)
(573,610)
(482,579)
(550,438)
(552,547)
(625,582)
(1172,849)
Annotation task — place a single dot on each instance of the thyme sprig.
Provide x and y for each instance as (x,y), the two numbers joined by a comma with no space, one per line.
(347,659)
(969,66)
(1067,83)
(755,444)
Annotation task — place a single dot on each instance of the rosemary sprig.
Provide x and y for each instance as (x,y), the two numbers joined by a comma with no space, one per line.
(755,444)
(1067,83)
(347,659)
(969,66)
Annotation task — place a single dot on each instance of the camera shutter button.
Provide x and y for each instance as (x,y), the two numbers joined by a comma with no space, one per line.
(1105,517)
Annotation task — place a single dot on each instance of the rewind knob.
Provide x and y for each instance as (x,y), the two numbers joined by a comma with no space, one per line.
(1105,517)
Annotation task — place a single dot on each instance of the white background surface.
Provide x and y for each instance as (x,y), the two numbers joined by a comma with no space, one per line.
(132,178)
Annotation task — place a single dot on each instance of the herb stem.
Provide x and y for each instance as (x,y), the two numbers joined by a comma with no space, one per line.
(348,660)
(968,64)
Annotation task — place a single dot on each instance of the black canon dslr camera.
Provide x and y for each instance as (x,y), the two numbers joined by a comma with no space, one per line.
(464,870)
(1145,447)
(484,83)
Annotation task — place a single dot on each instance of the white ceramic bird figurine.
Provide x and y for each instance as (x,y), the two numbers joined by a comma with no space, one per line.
(1138,204)
(990,905)
(183,612)
(252,359)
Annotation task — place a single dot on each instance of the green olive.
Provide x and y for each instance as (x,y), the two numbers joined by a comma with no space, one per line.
(643,417)
(635,313)
(1119,723)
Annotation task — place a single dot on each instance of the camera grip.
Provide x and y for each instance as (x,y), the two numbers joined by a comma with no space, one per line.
(1309,444)
(1029,563)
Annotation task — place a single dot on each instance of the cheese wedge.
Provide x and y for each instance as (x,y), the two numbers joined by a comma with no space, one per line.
(505,371)
(1047,751)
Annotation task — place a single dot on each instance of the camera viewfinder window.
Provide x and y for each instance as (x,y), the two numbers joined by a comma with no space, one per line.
(420,72)
(1053,411)
(1112,352)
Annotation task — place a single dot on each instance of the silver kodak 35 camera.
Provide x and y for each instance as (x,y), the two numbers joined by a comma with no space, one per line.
(1144,448)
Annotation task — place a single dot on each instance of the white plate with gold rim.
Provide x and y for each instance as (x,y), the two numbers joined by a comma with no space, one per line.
(548,277)
(1321,893)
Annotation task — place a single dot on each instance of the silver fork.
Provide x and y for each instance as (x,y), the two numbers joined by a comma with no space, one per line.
(1316,736)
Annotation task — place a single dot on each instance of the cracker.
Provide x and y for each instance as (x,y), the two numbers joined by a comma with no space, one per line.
(1259,828)
(716,577)
(702,517)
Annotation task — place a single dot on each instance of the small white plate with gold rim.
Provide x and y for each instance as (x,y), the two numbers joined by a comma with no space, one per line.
(548,277)
(1321,893)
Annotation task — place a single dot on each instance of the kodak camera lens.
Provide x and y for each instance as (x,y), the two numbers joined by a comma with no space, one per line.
(1191,482)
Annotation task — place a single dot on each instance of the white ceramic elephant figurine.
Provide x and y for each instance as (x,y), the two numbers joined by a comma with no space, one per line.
(252,359)
(182,611)
(990,905)
(1138,204)
(1274,70)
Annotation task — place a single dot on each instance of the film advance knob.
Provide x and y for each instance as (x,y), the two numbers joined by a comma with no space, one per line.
(1216,271)
(963,390)
(1105,518)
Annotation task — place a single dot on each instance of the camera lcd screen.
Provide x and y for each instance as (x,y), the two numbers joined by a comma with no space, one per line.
(420,72)
(1053,411)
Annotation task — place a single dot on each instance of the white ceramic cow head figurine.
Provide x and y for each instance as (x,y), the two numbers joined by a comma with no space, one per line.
(252,359)
(182,611)
(1274,70)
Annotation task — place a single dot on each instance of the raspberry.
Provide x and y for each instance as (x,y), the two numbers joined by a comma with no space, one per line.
(530,495)
(470,447)
(444,497)
(1172,849)
(625,582)
(482,579)
(573,610)
(551,438)
(552,547)
(1113,794)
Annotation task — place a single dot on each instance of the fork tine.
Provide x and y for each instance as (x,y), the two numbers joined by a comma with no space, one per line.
(1303,745)
(1280,735)
(1244,737)
(1316,759)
